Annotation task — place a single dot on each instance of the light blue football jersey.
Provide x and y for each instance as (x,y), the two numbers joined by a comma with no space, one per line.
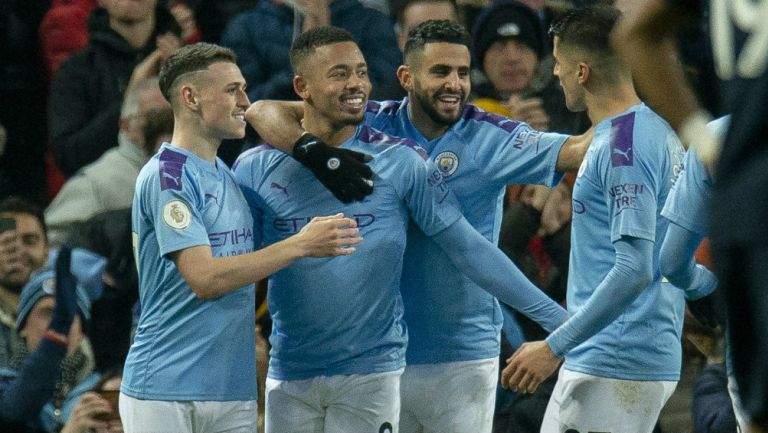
(449,317)
(343,315)
(188,348)
(620,190)
(687,201)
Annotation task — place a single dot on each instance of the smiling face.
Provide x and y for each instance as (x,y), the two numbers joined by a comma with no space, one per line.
(336,83)
(438,82)
(222,100)
(33,251)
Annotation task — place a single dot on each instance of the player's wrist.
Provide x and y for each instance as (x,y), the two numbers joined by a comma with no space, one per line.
(304,146)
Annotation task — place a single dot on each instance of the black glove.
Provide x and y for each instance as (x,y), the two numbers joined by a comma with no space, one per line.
(342,171)
(66,293)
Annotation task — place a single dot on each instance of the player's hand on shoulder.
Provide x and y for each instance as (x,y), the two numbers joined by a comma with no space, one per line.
(344,172)
(332,235)
(530,365)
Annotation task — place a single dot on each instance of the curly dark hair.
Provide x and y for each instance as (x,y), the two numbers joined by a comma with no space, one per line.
(435,31)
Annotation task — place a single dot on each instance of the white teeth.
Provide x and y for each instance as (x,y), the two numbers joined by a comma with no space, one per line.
(240,116)
(354,101)
(448,99)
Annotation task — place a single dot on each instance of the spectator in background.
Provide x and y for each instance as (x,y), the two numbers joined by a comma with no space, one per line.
(128,40)
(38,392)
(23,250)
(108,183)
(262,37)
(516,77)
(93,412)
(63,31)
(410,13)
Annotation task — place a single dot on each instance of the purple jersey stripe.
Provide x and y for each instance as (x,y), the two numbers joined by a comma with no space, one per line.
(473,113)
(171,164)
(622,130)
(373,136)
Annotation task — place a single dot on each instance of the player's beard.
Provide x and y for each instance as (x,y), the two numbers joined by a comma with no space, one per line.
(428,102)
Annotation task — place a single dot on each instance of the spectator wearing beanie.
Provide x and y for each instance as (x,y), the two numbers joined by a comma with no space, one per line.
(514,68)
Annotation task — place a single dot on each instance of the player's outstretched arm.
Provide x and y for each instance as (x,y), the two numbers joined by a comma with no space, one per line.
(677,263)
(344,172)
(573,150)
(632,272)
(210,276)
(490,269)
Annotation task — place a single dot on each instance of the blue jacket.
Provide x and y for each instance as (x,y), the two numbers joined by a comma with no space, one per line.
(262,39)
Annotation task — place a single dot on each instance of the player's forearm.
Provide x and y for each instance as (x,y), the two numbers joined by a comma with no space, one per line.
(630,275)
(210,277)
(490,269)
(644,40)
(677,264)
(277,122)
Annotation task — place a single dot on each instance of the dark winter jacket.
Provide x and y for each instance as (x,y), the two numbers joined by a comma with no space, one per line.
(262,39)
(87,91)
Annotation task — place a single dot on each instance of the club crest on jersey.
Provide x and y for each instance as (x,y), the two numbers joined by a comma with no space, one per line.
(447,162)
(176,214)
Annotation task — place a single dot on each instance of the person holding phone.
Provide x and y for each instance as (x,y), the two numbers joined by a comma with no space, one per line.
(97,409)
(23,249)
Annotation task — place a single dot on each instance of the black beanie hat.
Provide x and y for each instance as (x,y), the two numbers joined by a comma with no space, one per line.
(506,19)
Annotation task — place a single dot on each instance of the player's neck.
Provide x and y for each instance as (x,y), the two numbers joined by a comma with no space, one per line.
(330,133)
(196,142)
(608,101)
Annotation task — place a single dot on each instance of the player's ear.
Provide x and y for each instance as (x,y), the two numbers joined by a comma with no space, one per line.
(583,73)
(405,77)
(301,87)
(188,97)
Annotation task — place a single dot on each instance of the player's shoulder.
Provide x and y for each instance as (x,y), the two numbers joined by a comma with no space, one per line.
(167,167)
(475,118)
(256,155)
(379,143)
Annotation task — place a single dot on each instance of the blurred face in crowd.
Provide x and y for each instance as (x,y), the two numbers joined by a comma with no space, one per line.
(418,12)
(221,100)
(568,71)
(32,251)
(39,319)
(509,65)
(129,11)
(437,79)
(335,83)
(148,101)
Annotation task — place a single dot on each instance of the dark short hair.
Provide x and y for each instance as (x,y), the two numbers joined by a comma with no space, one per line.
(18,205)
(191,58)
(312,39)
(402,5)
(435,31)
(588,28)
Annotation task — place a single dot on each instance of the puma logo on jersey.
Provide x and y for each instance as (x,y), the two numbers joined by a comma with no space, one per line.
(282,188)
